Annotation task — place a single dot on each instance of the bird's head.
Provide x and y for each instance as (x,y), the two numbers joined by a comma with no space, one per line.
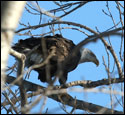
(88,56)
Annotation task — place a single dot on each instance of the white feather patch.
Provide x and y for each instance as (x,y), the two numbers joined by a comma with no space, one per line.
(36,58)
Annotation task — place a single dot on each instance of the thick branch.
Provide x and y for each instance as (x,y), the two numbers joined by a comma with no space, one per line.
(20,71)
(91,84)
(61,22)
(78,104)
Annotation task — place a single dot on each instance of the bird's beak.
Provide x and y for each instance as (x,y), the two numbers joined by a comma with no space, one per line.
(96,61)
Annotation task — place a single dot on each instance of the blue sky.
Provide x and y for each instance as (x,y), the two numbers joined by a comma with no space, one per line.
(90,15)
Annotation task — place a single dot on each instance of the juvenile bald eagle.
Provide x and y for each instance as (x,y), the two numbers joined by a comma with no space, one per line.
(38,49)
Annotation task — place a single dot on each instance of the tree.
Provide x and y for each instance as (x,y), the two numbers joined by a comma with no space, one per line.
(20,99)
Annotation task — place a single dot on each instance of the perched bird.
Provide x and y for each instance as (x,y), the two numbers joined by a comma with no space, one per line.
(38,49)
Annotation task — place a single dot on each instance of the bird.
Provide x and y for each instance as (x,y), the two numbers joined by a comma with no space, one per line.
(38,49)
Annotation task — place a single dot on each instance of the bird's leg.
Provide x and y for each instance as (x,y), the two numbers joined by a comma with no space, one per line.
(63,78)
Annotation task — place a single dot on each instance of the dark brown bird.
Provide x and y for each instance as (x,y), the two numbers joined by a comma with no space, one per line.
(59,48)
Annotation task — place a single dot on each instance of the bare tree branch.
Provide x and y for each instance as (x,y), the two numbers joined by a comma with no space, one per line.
(91,84)
(62,22)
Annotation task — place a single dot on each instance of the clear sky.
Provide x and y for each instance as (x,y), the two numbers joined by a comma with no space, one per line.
(90,15)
